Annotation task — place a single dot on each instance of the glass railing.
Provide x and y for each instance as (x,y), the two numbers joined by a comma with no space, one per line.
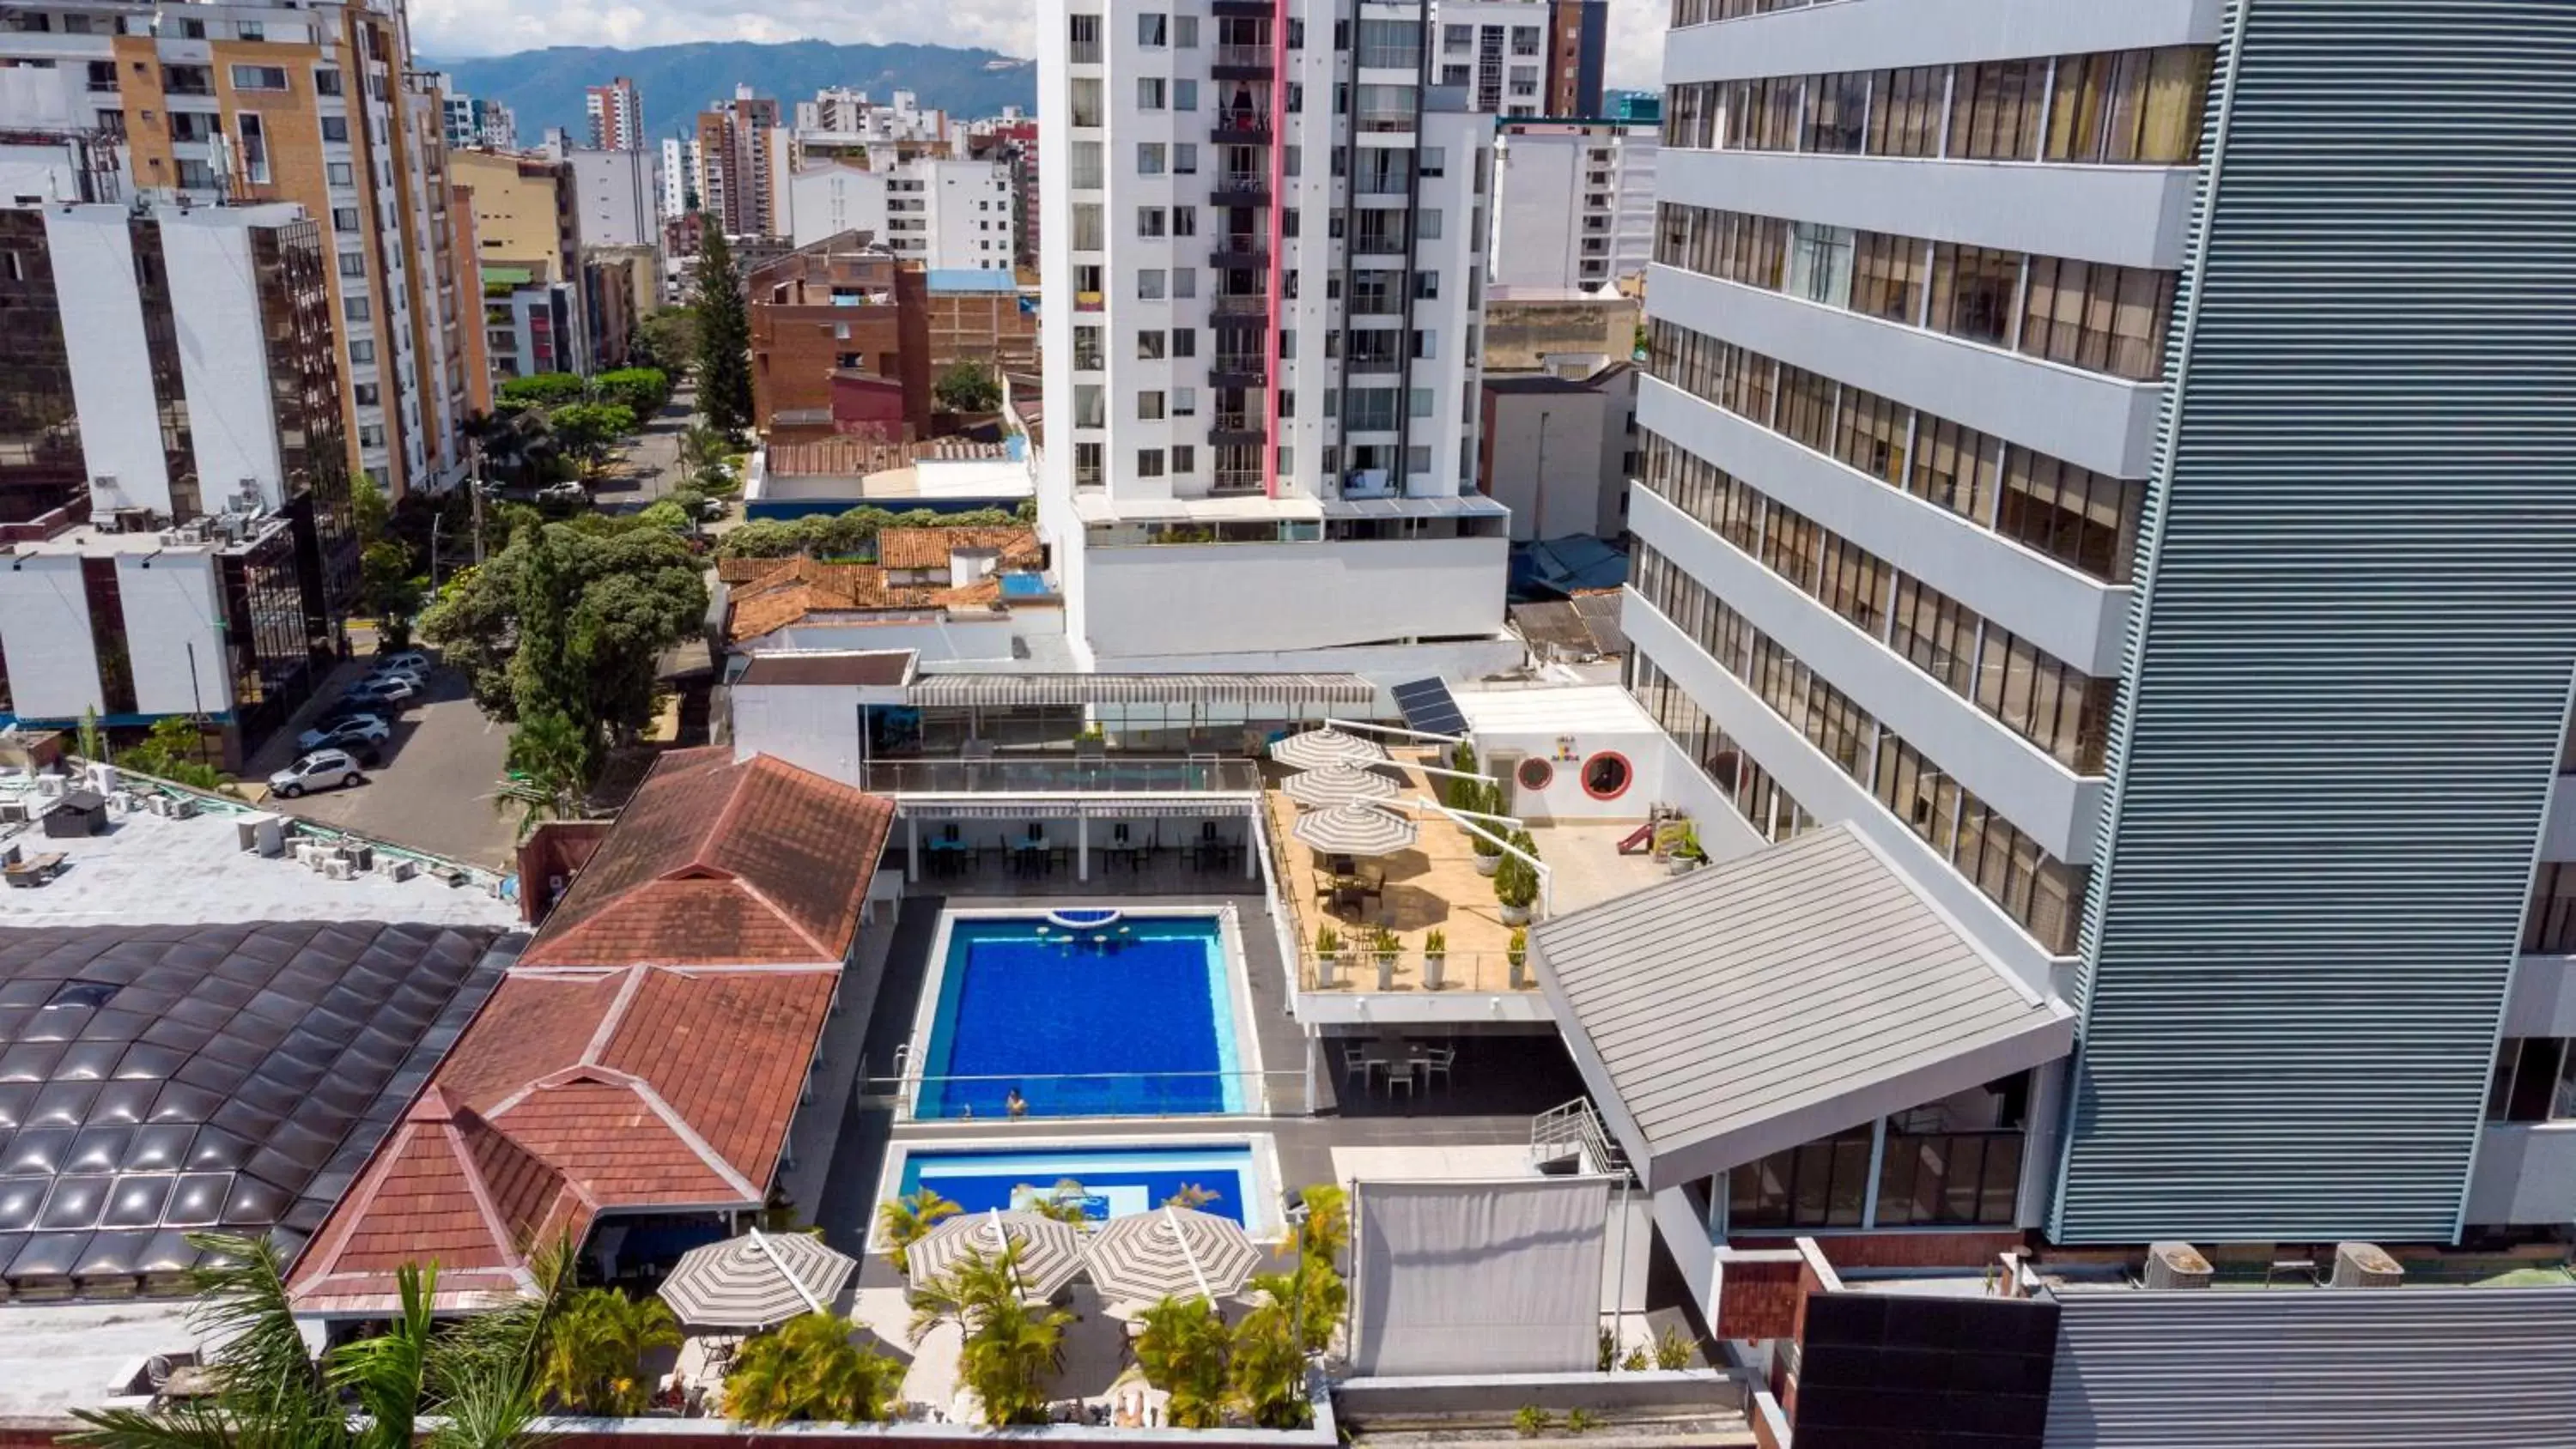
(1104,1094)
(1243,55)
(1412,970)
(1062,775)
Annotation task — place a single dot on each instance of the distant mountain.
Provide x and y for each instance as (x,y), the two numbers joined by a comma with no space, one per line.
(544,87)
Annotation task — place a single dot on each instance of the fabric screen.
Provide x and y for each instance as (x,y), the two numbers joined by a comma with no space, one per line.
(1478,1277)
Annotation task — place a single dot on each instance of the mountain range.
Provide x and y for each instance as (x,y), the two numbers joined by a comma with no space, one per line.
(545,88)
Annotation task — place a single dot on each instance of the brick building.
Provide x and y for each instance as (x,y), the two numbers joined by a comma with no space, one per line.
(840,342)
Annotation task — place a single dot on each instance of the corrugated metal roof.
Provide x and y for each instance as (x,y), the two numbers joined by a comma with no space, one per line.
(1751,1006)
(1064,689)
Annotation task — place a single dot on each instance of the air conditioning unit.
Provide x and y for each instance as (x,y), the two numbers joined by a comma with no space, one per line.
(401,868)
(2366,1265)
(338,868)
(181,807)
(361,856)
(2177,1265)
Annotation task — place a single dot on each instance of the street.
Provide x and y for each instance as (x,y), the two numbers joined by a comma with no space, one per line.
(648,465)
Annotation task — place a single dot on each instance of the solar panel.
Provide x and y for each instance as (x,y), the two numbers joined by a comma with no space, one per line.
(1427,706)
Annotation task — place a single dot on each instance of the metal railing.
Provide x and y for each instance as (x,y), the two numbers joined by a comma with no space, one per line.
(1241,364)
(1575,1127)
(1238,480)
(1062,775)
(1357,968)
(926,1098)
(1244,55)
(1239,304)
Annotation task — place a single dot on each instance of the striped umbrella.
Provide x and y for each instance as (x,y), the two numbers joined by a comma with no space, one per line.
(756,1280)
(1354,830)
(1050,1251)
(1338,785)
(1327,746)
(1171,1252)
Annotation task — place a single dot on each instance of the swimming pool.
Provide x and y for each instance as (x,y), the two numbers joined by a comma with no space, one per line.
(1115,1181)
(1130,1016)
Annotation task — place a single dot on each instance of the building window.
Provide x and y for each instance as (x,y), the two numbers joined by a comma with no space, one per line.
(1150,92)
(1606,775)
(1082,35)
(1153,30)
(1149,158)
(1994,110)
(344,218)
(353,264)
(2534,1081)
(1185,460)
(335,128)
(2098,317)
(1149,407)
(326,82)
(254,147)
(1149,462)
(2137,106)
(1149,345)
(1149,284)
(2550,927)
(339,173)
(259,77)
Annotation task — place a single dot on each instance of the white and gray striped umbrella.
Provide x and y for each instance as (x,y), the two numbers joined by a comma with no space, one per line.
(1354,830)
(1338,785)
(1171,1252)
(1315,749)
(1050,1251)
(756,1280)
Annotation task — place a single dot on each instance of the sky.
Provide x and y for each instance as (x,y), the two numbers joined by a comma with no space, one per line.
(493,27)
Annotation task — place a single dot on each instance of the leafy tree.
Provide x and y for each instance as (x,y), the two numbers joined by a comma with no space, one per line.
(724,339)
(640,390)
(595,1348)
(368,509)
(1183,1352)
(665,515)
(851,534)
(545,391)
(667,339)
(967,386)
(551,760)
(388,592)
(703,447)
(906,1219)
(175,750)
(586,431)
(762,538)
(1006,1358)
(809,1369)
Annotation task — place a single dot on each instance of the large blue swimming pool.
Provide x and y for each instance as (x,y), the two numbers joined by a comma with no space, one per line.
(1115,1181)
(1129,1019)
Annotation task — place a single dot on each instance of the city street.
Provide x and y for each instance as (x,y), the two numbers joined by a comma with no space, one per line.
(648,465)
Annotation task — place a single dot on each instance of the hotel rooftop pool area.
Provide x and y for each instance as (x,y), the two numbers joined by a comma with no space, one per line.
(1115,1179)
(1082,1013)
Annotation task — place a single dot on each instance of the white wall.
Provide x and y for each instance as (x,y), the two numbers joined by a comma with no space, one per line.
(1563,478)
(1257,597)
(824,201)
(616,193)
(93,258)
(2526,1174)
(1564,798)
(937,640)
(223,358)
(44,631)
(172,609)
(810,725)
(1538,205)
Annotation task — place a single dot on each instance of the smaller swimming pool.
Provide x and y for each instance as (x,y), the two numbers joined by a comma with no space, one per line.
(1115,1181)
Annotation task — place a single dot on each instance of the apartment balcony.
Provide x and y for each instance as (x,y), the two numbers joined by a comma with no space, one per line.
(1372,363)
(1379,244)
(1384,122)
(1243,62)
(1238,369)
(1088,302)
(1240,304)
(1088,359)
(1241,188)
(1241,250)
(1230,429)
(1241,126)
(1238,480)
(1243,9)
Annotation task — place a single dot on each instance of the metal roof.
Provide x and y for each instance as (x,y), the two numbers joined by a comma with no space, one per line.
(1778,998)
(1069,689)
(159,1079)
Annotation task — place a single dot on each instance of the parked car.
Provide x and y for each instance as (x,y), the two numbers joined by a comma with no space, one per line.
(563,493)
(391,690)
(320,770)
(359,732)
(413,677)
(409,661)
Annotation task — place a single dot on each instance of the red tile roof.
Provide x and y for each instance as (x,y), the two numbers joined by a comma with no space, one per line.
(648,1051)
(929,548)
(722,863)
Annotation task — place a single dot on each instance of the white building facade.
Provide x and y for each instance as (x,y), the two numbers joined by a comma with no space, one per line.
(944,214)
(1574,206)
(1262,340)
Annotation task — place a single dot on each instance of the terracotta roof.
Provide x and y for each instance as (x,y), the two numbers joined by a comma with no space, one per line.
(572,1096)
(859,457)
(722,863)
(794,589)
(929,548)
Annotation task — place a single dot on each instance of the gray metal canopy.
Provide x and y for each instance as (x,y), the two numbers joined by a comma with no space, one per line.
(1776,999)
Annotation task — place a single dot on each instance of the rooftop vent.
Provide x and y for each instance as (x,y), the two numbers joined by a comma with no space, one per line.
(2366,1265)
(2177,1265)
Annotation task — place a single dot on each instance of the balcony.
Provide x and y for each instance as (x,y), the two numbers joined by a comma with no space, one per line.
(1240,304)
(1242,249)
(1088,359)
(1241,126)
(1241,188)
(1239,369)
(1238,480)
(1087,302)
(1373,362)
(1230,429)
(1379,244)
(1243,62)
(1063,775)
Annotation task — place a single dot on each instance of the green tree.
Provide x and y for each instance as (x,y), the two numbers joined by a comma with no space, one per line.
(905,1220)
(667,339)
(665,515)
(724,339)
(968,386)
(551,761)
(1009,1346)
(1183,1351)
(586,431)
(545,391)
(594,1351)
(640,390)
(1516,880)
(175,750)
(809,1369)
(368,509)
(762,538)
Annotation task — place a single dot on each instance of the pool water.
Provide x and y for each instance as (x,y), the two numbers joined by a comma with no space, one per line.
(1132,1018)
(1115,1181)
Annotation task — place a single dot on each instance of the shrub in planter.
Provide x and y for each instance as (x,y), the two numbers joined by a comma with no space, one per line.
(1328,955)
(1516,881)
(1518,955)
(1435,959)
(1384,946)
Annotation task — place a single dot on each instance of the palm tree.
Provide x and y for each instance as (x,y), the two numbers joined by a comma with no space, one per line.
(809,1369)
(1183,1353)
(906,1219)
(1064,1203)
(550,763)
(594,1354)
(1004,1357)
(980,1286)
(1266,1367)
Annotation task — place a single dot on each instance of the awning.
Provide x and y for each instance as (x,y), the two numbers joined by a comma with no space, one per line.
(1776,999)
(1071,689)
(1427,707)
(1078,807)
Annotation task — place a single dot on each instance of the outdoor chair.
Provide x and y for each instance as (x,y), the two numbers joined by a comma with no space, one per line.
(1356,1062)
(1402,1074)
(1436,1063)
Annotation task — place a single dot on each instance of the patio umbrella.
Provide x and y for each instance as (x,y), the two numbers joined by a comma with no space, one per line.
(756,1280)
(1338,784)
(1171,1252)
(1327,746)
(1050,1251)
(1354,830)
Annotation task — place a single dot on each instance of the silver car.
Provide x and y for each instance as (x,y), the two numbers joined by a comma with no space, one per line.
(320,770)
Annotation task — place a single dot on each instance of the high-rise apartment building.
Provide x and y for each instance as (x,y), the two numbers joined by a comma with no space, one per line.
(841,122)
(310,104)
(2099,459)
(527,218)
(1574,205)
(947,215)
(743,159)
(1264,264)
(1523,57)
(681,164)
(616,116)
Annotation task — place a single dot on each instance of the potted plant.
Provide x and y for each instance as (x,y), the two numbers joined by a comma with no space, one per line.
(1384,946)
(1518,955)
(1685,855)
(1328,957)
(1435,959)
(1460,792)
(1484,799)
(1516,881)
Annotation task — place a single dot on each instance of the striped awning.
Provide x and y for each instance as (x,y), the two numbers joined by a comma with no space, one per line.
(1338,785)
(1171,1252)
(1089,807)
(1284,690)
(756,1280)
(1354,830)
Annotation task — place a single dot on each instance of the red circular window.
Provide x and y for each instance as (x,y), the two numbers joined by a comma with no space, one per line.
(1606,775)
(1535,774)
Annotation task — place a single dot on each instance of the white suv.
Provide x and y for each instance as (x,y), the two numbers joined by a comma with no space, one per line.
(320,770)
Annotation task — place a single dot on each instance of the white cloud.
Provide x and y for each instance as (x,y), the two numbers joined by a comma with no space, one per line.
(491,27)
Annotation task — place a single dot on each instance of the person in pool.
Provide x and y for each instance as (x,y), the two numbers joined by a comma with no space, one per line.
(1015,1104)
